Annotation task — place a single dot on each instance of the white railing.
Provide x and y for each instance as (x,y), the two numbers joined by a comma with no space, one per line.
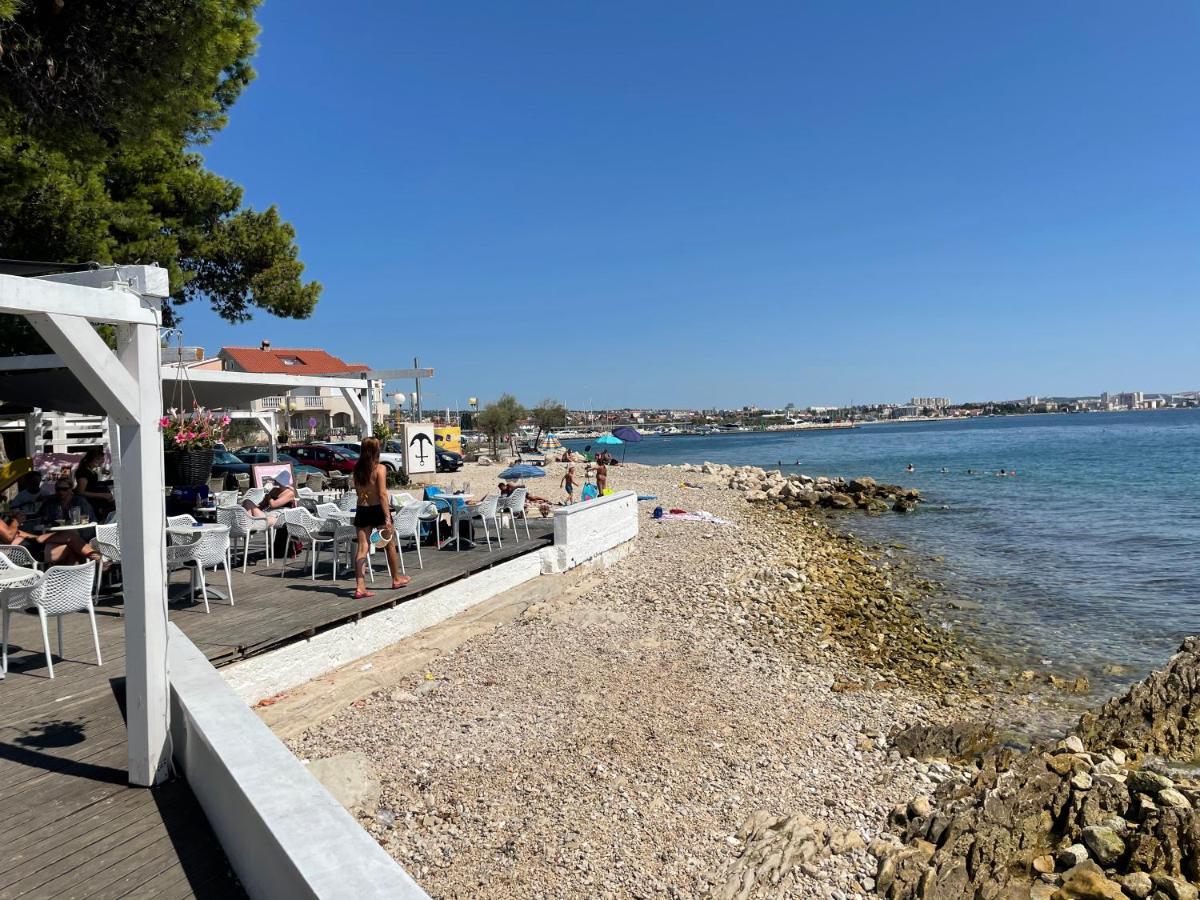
(313,402)
(270,403)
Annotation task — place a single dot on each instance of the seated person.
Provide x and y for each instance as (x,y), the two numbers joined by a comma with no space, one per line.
(32,492)
(88,484)
(58,508)
(56,548)
(282,496)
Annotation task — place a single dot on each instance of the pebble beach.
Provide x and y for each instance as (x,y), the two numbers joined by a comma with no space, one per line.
(707,717)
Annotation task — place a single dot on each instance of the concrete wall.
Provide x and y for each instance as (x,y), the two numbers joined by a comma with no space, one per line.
(589,531)
(283,833)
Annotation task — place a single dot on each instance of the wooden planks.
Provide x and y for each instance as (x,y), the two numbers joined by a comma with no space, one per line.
(74,828)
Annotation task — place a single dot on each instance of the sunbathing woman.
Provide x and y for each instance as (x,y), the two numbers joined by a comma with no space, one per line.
(281,496)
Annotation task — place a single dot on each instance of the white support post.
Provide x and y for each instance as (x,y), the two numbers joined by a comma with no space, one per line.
(272,427)
(33,432)
(360,411)
(142,521)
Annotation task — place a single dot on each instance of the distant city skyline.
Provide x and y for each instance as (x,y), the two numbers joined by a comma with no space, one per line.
(807,202)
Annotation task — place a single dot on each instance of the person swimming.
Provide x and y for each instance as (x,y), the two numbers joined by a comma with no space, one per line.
(910,468)
(1001,474)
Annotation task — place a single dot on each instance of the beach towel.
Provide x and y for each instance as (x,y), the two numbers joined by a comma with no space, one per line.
(697,516)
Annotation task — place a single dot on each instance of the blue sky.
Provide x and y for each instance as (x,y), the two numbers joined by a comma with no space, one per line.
(719,204)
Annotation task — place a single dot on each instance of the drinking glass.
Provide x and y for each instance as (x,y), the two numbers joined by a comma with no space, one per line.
(74,515)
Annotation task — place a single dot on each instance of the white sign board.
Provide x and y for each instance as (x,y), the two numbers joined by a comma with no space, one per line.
(419,449)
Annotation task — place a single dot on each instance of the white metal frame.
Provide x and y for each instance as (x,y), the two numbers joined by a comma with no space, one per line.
(127,382)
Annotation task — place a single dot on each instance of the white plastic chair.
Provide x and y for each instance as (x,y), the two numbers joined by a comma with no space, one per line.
(107,543)
(18,556)
(227,498)
(407,522)
(181,520)
(242,527)
(210,548)
(255,495)
(56,592)
(401,500)
(348,501)
(484,511)
(514,505)
(304,527)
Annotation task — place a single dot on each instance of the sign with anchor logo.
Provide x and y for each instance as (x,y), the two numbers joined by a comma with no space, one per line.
(419,449)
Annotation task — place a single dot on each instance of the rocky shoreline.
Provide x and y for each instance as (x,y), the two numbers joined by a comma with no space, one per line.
(732,711)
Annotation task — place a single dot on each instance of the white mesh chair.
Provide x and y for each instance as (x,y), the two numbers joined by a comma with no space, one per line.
(227,498)
(348,501)
(401,500)
(56,592)
(407,522)
(514,505)
(211,548)
(18,556)
(255,495)
(337,523)
(484,511)
(107,543)
(181,520)
(242,527)
(306,529)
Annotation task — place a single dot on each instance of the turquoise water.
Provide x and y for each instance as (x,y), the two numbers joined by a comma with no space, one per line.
(1088,558)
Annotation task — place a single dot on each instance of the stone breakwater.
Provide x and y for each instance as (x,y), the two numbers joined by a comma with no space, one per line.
(797,491)
(1105,813)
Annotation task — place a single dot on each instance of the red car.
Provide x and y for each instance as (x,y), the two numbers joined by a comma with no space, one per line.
(323,456)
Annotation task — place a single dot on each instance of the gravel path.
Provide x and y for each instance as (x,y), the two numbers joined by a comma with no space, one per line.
(613,743)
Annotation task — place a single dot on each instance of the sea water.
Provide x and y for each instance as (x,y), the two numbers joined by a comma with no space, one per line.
(1086,561)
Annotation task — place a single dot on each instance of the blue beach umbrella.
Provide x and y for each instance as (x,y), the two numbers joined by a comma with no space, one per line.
(608,440)
(627,434)
(519,472)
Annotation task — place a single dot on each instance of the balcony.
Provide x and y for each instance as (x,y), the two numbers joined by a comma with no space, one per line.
(269,403)
(310,402)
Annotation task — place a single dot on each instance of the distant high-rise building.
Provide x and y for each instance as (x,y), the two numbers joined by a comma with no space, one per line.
(930,402)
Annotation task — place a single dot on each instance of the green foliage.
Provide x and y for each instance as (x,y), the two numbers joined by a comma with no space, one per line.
(547,415)
(100,103)
(498,420)
(382,432)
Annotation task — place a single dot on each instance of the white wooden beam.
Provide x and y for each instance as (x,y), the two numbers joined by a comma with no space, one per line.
(35,295)
(149,281)
(25,363)
(360,411)
(142,518)
(89,358)
(394,374)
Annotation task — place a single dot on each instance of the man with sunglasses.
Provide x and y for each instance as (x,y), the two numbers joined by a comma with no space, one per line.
(65,547)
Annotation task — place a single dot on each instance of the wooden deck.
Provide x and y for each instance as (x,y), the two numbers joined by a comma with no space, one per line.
(74,828)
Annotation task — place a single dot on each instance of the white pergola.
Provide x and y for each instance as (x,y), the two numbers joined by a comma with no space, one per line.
(126,385)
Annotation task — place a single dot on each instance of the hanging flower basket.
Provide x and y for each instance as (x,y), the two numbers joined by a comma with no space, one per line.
(189,443)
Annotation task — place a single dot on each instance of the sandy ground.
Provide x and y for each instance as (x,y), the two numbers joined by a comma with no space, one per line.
(610,733)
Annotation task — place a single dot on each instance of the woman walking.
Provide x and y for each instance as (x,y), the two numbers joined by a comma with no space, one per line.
(374,512)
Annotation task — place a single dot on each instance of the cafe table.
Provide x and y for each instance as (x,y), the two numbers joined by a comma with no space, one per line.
(190,590)
(455,509)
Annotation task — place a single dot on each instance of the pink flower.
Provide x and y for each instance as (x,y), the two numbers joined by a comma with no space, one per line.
(225,420)
(164,421)
(179,438)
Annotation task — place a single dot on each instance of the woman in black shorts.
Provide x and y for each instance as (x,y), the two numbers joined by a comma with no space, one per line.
(373,512)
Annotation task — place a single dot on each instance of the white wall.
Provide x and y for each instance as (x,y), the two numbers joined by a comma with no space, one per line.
(585,531)
(283,833)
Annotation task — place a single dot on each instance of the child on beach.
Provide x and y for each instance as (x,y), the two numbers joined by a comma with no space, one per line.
(568,484)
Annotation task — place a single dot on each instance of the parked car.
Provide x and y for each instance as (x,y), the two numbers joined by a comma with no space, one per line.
(393,460)
(448,460)
(325,457)
(227,464)
(255,455)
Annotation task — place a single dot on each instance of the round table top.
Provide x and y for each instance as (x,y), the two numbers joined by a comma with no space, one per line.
(71,527)
(15,574)
(202,526)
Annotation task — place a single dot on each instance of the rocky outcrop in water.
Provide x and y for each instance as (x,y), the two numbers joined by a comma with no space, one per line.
(796,491)
(1093,816)
(1160,715)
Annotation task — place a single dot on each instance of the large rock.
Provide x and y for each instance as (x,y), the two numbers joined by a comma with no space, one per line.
(349,777)
(1087,881)
(1104,844)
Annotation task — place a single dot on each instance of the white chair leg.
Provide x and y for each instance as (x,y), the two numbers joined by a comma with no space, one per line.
(58,622)
(228,583)
(315,552)
(399,556)
(95,635)
(525,519)
(46,641)
(203,587)
(4,654)
(487,534)
(499,532)
(417,539)
(245,550)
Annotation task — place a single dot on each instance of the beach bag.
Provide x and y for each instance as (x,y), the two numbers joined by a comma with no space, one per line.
(658,512)
(381,539)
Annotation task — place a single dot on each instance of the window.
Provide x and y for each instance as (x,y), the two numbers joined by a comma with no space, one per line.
(290,360)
